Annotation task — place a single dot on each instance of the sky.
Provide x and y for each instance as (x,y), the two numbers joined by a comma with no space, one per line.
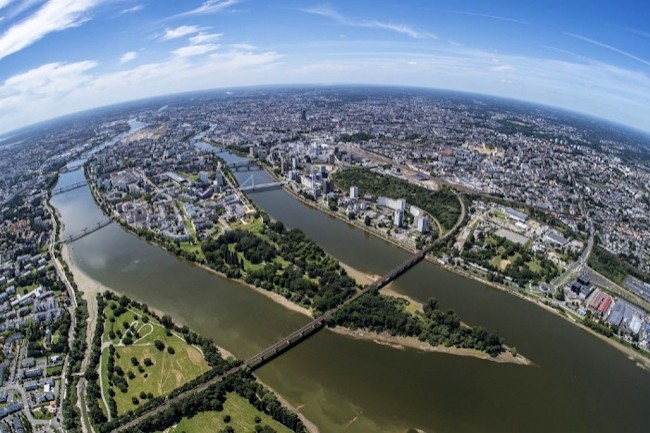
(63,56)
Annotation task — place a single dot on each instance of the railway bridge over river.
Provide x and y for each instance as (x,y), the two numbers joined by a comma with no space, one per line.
(284,344)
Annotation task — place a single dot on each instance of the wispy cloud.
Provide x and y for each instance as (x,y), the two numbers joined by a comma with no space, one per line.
(127,57)
(56,89)
(53,16)
(4,3)
(243,47)
(502,68)
(608,47)
(398,28)
(47,80)
(132,9)
(494,17)
(204,38)
(639,32)
(195,50)
(179,32)
(572,54)
(210,7)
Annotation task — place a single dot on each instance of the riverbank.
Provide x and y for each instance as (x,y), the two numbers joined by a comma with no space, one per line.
(275,297)
(310,426)
(641,361)
(403,343)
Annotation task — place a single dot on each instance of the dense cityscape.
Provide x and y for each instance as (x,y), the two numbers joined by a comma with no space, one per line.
(544,205)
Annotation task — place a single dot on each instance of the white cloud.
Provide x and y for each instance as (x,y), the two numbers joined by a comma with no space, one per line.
(127,57)
(211,7)
(502,68)
(204,38)
(494,17)
(57,89)
(132,9)
(397,28)
(194,50)
(179,32)
(53,16)
(608,47)
(243,47)
(50,79)
(4,3)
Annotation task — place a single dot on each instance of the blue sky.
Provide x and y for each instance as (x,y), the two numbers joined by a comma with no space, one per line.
(63,56)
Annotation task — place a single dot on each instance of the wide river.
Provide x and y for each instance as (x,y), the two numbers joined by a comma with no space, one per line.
(578,383)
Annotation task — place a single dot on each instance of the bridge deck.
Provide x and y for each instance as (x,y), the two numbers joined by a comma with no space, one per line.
(86,231)
(67,188)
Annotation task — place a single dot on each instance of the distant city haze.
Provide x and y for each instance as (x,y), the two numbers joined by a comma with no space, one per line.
(59,57)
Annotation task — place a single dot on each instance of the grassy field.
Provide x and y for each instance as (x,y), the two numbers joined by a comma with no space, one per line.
(242,419)
(192,248)
(168,371)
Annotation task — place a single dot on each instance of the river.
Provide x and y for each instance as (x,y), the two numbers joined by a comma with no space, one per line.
(578,383)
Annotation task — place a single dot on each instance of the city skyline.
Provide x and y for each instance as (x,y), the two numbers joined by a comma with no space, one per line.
(63,56)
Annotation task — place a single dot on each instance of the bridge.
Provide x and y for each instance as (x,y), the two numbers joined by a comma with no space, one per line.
(244,165)
(62,189)
(282,345)
(86,231)
(68,169)
(249,185)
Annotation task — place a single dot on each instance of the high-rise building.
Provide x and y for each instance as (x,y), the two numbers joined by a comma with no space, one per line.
(327,186)
(398,219)
(354,192)
(395,204)
(204,177)
(422,224)
(219,178)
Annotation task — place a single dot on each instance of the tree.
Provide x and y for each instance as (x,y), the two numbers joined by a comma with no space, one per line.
(167,321)
(159,345)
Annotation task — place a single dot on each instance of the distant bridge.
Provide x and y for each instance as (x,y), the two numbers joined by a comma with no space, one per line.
(62,189)
(68,169)
(86,231)
(249,185)
(245,165)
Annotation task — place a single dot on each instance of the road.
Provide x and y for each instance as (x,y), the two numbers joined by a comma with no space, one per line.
(575,268)
(81,386)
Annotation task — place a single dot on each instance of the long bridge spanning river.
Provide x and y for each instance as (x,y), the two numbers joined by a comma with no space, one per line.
(284,344)
(86,231)
(62,189)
